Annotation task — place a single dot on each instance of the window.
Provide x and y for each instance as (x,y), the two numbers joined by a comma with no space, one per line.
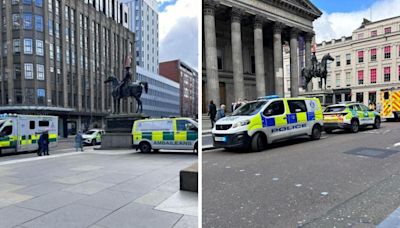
(387,52)
(386,74)
(39,3)
(40,71)
(374,33)
(360,97)
(373,54)
(360,56)
(28,46)
(337,80)
(360,75)
(32,124)
(28,70)
(27,21)
(27,2)
(348,78)
(41,93)
(348,59)
(337,60)
(388,30)
(51,51)
(39,47)
(183,125)
(50,27)
(6,131)
(16,46)
(39,23)
(373,76)
(44,123)
(297,106)
(14,2)
(16,21)
(274,109)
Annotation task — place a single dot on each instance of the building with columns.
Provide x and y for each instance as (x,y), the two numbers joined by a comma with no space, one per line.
(365,62)
(242,47)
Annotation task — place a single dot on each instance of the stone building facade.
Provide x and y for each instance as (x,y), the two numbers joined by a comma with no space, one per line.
(365,62)
(242,47)
(55,57)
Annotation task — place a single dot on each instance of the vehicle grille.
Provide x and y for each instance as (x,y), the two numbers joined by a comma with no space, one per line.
(223,126)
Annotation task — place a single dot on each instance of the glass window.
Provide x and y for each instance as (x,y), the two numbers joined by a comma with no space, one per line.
(28,46)
(15,2)
(275,108)
(373,54)
(44,123)
(337,60)
(39,47)
(387,52)
(51,51)
(40,71)
(373,76)
(27,21)
(337,80)
(16,21)
(386,74)
(388,30)
(297,106)
(249,109)
(348,59)
(27,2)
(28,70)
(6,131)
(39,3)
(348,78)
(360,56)
(374,33)
(360,75)
(39,23)
(50,27)
(181,125)
(41,93)
(32,124)
(16,45)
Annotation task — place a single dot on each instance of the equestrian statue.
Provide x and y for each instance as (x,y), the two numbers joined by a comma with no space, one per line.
(125,89)
(317,70)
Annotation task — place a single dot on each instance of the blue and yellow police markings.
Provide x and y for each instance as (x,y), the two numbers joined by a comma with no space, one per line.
(281,122)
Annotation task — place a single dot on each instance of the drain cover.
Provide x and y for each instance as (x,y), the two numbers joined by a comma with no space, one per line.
(371,152)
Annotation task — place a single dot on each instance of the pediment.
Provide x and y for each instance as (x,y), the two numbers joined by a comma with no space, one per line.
(304,6)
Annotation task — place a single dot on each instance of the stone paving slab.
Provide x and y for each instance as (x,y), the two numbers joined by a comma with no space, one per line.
(7,187)
(89,188)
(140,215)
(187,221)
(79,178)
(181,202)
(10,198)
(51,201)
(153,198)
(71,216)
(86,168)
(107,199)
(12,216)
(42,188)
(115,178)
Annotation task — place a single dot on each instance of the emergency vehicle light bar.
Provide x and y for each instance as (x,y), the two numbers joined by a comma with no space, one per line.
(268,97)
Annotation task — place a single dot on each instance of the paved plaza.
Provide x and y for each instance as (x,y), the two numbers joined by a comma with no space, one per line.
(96,189)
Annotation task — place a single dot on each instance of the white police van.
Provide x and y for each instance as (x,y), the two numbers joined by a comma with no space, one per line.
(269,119)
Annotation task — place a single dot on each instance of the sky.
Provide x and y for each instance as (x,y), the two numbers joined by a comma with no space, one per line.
(341,17)
(178,30)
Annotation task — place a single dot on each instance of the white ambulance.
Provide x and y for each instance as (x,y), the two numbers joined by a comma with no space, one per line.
(20,133)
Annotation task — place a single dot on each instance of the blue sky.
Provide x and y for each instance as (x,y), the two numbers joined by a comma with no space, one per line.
(163,5)
(342,5)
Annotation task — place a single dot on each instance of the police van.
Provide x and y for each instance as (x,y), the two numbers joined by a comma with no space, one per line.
(20,133)
(269,119)
(165,133)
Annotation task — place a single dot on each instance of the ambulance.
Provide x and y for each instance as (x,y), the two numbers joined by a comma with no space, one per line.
(269,119)
(19,133)
(390,101)
(165,133)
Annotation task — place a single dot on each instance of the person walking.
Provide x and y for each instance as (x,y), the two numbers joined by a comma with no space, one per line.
(212,111)
(40,144)
(78,141)
(220,112)
(44,144)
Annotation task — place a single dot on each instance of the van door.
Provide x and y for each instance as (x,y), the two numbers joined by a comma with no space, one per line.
(274,120)
(184,136)
(7,136)
(27,134)
(297,119)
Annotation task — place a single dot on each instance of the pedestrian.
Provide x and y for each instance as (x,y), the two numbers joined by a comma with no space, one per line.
(212,111)
(238,104)
(220,112)
(44,144)
(40,145)
(78,141)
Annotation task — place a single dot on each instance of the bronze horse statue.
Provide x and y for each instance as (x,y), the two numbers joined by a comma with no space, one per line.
(130,90)
(318,70)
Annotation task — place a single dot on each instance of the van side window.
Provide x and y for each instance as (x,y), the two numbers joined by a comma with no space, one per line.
(297,106)
(181,125)
(386,95)
(31,124)
(6,131)
(275,108)
(43,123)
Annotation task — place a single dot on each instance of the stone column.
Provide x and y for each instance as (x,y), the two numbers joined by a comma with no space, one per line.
(294,63)
(212,84)
(278,59)
(308,39)
(259,56)
(237,57)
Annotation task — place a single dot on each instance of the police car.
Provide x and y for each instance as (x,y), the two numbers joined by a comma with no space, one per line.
(350,116)
(92,137)
(269,119)
(165,133)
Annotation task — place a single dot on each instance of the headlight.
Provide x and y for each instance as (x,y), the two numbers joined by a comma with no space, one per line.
(241,123)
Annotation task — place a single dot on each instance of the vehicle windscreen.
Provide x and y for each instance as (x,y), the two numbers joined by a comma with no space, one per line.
(2,123)
(89,132)
(335,109)
(249,109)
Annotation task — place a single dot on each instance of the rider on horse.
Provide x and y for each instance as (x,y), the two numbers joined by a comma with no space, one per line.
(125,82)
(314,64)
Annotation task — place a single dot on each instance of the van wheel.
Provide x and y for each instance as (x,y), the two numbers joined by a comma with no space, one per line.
(377,123)
(257,142)
(196,148)
(94,142)
(354,126)
(316,132)
(145,147)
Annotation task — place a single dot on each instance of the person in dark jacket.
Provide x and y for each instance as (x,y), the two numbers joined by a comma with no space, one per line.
(44,144)
(212,111)
(79,141)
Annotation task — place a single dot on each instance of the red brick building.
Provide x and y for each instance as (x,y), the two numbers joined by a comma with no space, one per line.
(187,77)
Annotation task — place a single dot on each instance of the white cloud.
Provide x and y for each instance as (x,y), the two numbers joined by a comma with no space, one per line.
(337,24)
(178,31)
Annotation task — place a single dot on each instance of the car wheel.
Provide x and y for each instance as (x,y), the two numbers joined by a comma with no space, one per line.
(144,147)
(316,132)
(94,142)
(328,131)
(257,143)
(354,126)
(377,123)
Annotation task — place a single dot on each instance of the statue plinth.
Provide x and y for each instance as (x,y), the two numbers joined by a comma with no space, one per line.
(119,131)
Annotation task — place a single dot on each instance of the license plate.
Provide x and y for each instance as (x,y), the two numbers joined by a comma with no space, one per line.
(219,139)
